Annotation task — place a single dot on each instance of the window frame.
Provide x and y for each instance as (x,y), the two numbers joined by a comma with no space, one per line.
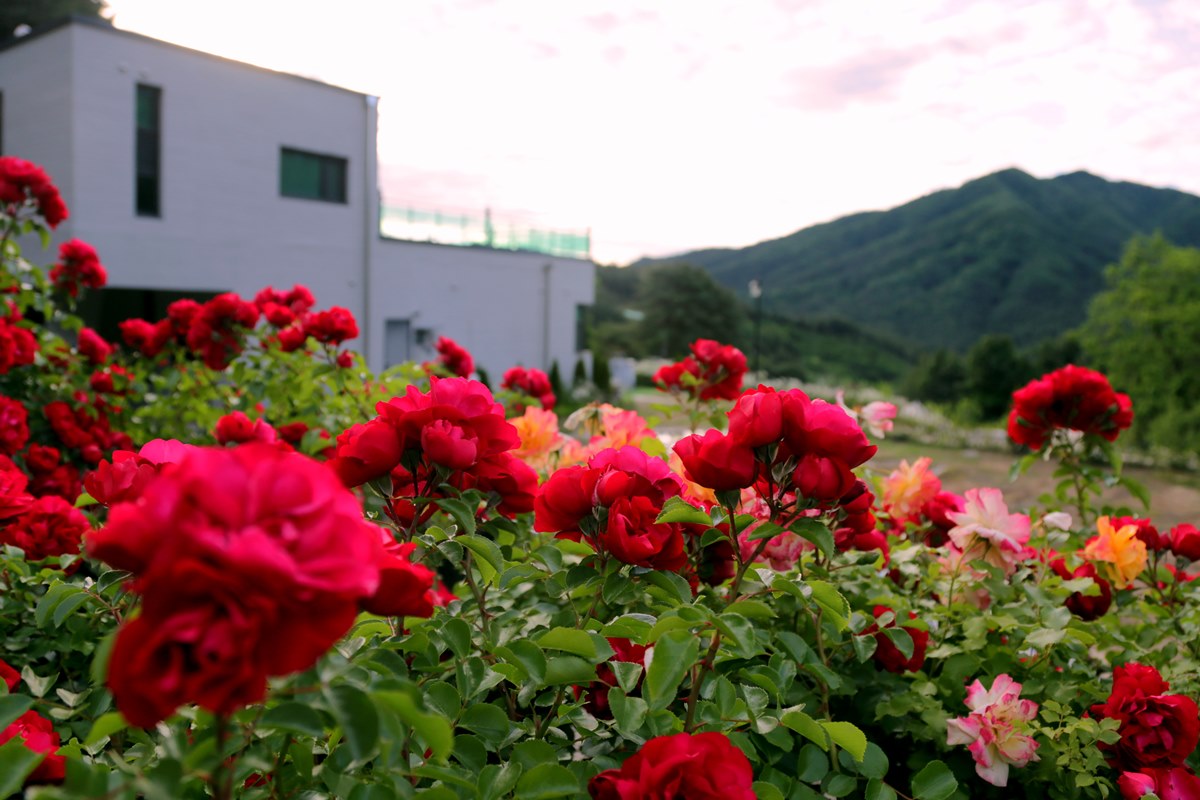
(331,181)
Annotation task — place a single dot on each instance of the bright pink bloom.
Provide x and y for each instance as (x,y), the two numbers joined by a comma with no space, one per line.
(986,531)
(997,731)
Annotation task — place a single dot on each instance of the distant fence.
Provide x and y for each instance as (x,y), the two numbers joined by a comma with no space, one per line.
(418,225)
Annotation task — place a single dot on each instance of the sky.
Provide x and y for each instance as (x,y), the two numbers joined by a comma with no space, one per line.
(680,124)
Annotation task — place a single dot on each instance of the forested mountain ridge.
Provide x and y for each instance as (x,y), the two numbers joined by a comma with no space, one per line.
(1007,253)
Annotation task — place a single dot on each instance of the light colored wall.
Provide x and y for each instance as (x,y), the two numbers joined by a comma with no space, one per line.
(224,225)
(35,78)
(69,104)
(490,301)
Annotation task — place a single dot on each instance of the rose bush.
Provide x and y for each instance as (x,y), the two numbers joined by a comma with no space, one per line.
(235,563)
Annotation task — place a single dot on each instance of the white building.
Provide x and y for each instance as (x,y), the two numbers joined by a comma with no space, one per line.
(195,174)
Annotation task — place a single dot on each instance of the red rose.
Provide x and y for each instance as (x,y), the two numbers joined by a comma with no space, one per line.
(79,266)
(14,425)
(9,675)
(507,476)
(331,327)
(237,428)
(826,430)
(291,339)
(405,588)
(1072,397)
(670,377)
(14,499)
(463,404)
(1079,604)
(1176,783)
(532,382)
(757,417)
(887,655)
(700,766)
(722,368)
(24,182)
(1185,541)
(49,527)
(454,357)
(180,314)
(251,561)
(1145,531)
(717,461)
(567,498)
(38,734)
(93,347)
(218,329)
(366,451)
(822,480)
(1157,729)
(145,337)
(18,346)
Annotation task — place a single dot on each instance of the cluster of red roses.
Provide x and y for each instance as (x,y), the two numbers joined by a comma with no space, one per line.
(531,382)
(38,735)
(713,371)
(24,184)
(1158,732)
(454,358)
(613,502)
(698,766)
(18,345)
(1070,398)
(455,435)
(798,455)
(45,526)
(78,265)
(250,562)
(215,331)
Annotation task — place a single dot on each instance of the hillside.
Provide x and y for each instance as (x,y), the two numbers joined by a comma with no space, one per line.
(1007,253)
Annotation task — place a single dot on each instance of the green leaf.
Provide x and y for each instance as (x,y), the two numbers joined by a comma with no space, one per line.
(813,764)
(569,669)
(431,727)
(934,782)
(489,560)
(878,790)
(836,607)
(528,656)
(488,721)
(457,634)
(1136,489)
(104,726)
(547,781)
(63,609)
(674,654)
(16,762)
(765,530)
(460,512)
(569,640)
(628,712)
(816,532)
(848,737)
(901,639)
(673,584)
(57,593)
(356,715)
(806,726)
(676,509)
(13,706)
(765,791)
(874,763)
(496,781)
(1045,637)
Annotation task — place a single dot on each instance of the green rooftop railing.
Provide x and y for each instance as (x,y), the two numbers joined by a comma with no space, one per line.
(400,222)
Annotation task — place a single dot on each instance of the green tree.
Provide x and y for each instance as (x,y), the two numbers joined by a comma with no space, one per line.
(1143,331)
(683,303)
(938,377)
(35,13)
(994,370)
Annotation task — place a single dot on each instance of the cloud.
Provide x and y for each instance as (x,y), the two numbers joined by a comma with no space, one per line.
(871,78)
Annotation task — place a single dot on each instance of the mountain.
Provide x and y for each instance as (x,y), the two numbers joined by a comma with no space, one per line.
(1006,253)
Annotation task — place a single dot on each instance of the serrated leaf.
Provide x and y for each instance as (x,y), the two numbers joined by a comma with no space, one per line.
(848,737)
(357,717)
(935,781)
(836,607)
(295,718)
(489,560)
(104,726)
(674,654)
(462,514)
(568,640)
(806,726)
(676,509)
(546,781)
(817,532)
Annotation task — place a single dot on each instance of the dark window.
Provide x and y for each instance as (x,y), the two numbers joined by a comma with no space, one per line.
(311,176)
(1,123)
(148,156)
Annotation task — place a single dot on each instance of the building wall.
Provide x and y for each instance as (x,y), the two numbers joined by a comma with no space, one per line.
(37,95)
(70,103)
(492,302)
